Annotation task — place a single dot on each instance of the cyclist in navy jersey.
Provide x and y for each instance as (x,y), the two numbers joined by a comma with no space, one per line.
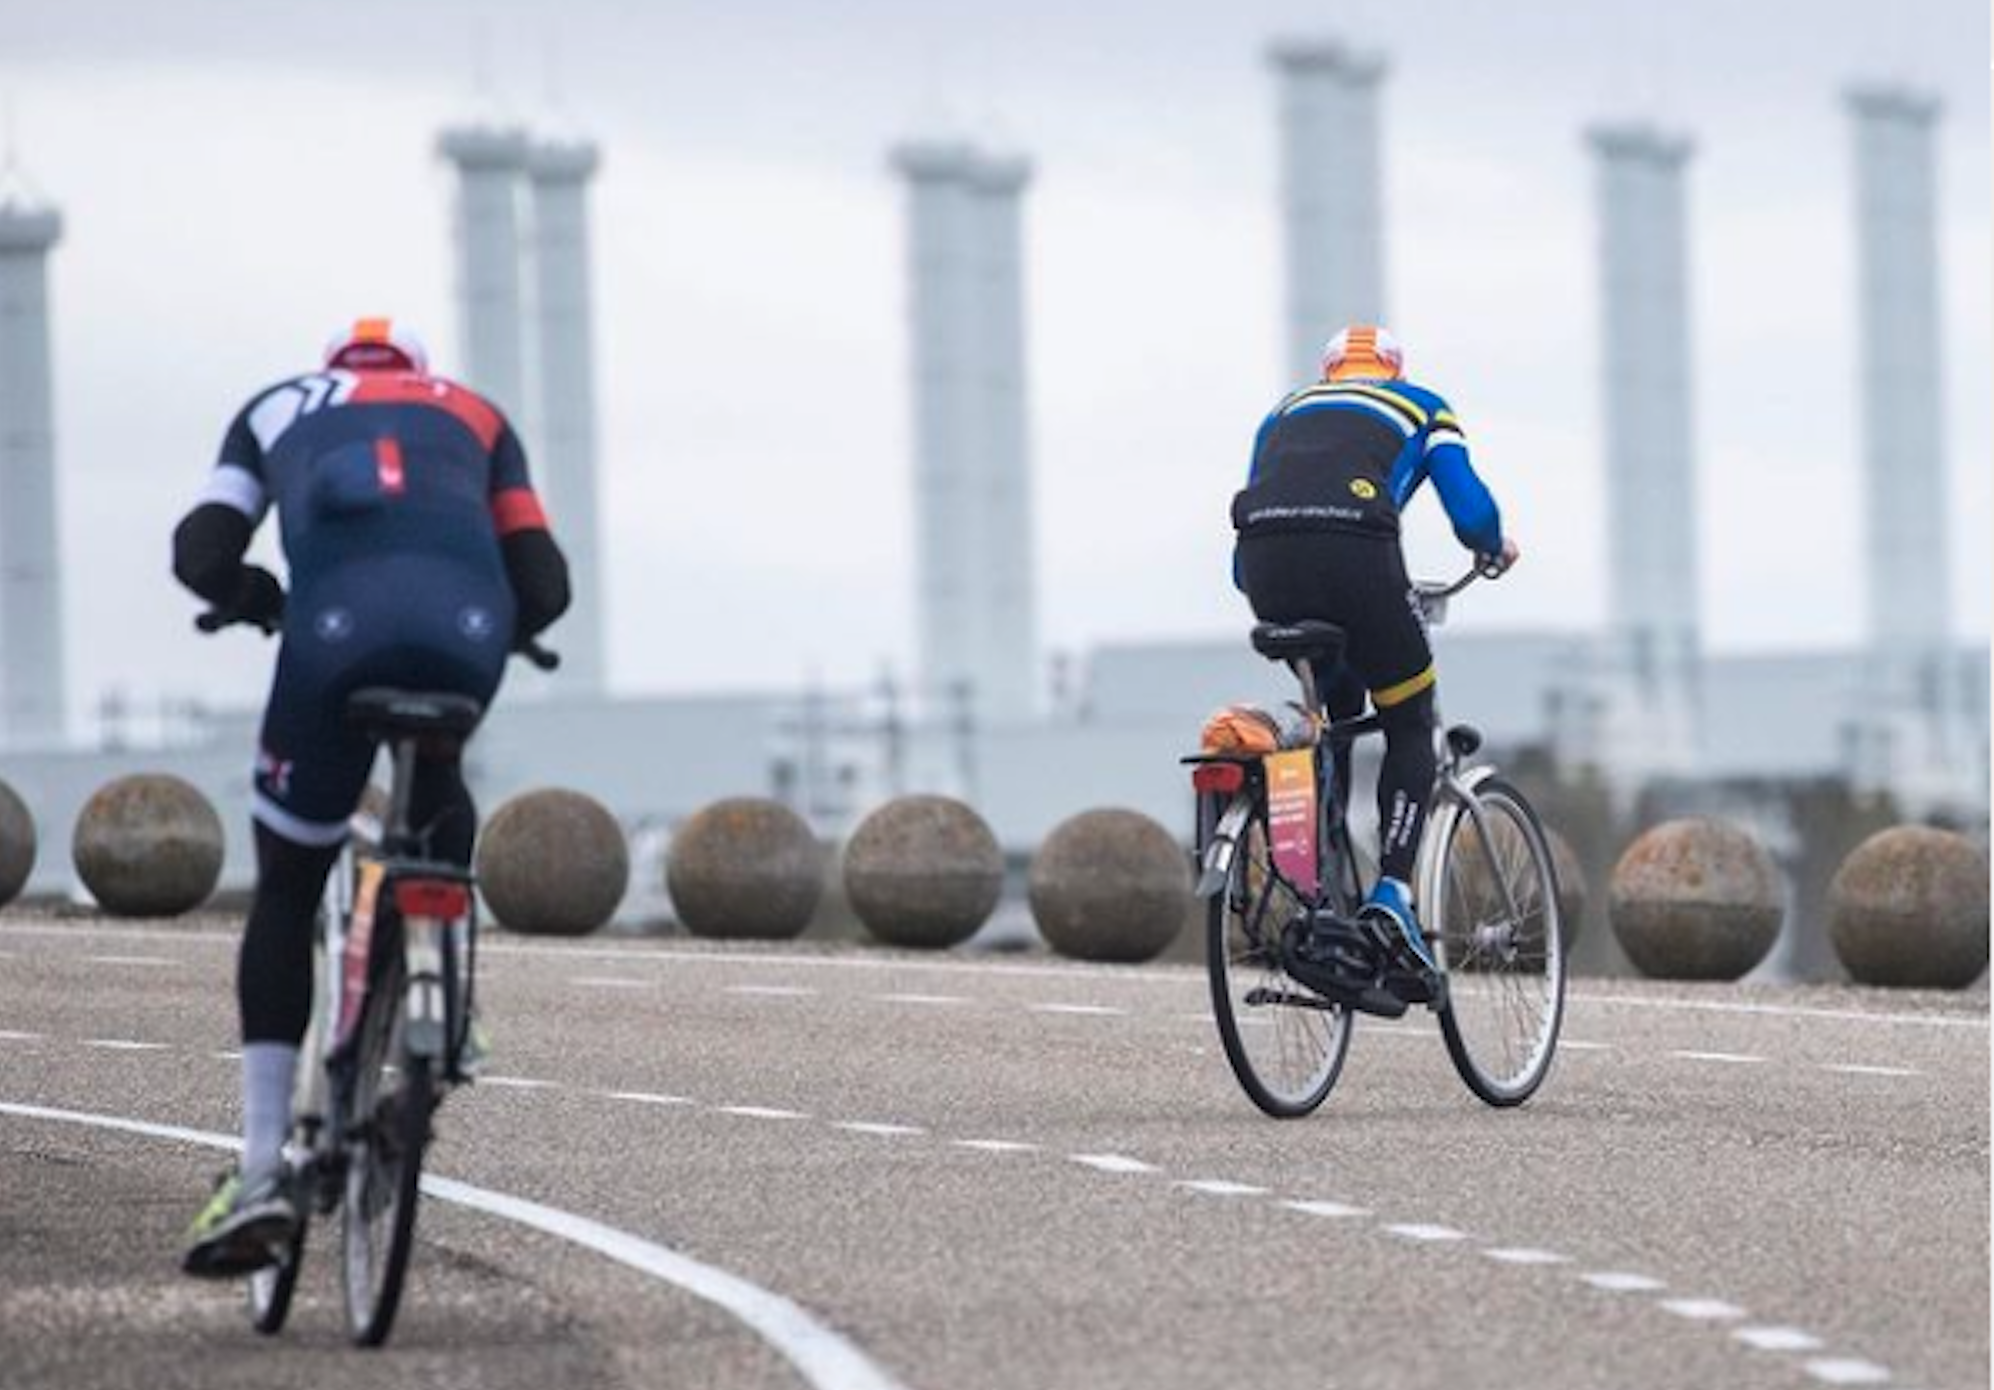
(419,557)
(1318,538)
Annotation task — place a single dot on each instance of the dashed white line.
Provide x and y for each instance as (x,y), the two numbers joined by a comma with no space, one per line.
(611,982)
(1083,1010)
(650,1098)
(1777,1339)
(1858,1069)
(227,1054)
(934,999)
(771,991)
(886,1131)
(1836,1370)
(1112,1163)
(1220,1187)
(1578,1045)
(761,1112)
(1613,1281)
(1333,1210)
(518,1083)
(123,1045)
(996,1146)
(10,1035)
(1420,1232)
(1526,1255)
(1703,1309)
(150,961)
(1733,1058)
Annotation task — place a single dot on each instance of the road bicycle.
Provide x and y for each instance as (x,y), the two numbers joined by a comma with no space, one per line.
(395,966)
(1277,864)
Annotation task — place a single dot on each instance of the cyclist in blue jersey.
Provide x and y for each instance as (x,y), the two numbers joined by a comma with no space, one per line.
(1318,538)
(419,556)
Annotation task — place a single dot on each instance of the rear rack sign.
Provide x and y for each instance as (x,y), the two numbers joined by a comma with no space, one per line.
(1291,816)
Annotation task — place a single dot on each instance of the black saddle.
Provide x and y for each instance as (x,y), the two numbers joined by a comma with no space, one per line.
(1308,639)
(383,712)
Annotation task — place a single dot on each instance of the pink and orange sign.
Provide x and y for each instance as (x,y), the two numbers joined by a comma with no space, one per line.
(1291,815)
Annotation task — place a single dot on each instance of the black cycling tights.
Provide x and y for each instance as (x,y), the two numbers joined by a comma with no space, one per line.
(1405,781)
(274,971)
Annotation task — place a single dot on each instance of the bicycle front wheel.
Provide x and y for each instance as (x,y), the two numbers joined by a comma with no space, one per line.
(1286,1043)
(1495,923)
(384,1168)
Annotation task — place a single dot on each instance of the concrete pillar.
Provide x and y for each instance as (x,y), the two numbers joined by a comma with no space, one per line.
(561,362)
(33,689)
(1331,194)
(976,613)
(489,162)
(1654,654)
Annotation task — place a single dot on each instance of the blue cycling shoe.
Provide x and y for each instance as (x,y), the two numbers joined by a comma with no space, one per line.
(1390,909)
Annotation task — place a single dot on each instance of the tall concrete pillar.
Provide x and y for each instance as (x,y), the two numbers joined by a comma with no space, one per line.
(976,612)
(33,688)
(1907,724)
(1331,194)
(490,163)
(561,364)
(1654,630)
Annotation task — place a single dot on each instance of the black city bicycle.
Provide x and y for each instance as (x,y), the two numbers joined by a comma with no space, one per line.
(1278,866)
(395,971)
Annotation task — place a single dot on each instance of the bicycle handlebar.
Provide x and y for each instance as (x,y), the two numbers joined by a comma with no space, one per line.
(1485,567)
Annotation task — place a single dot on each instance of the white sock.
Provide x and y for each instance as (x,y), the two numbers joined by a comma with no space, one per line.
(269,1071)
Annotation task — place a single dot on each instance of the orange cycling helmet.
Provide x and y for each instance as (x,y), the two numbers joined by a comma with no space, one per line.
(377,345)
(1363,350)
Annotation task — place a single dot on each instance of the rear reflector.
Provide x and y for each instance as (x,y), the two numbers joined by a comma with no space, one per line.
(1209,778)
(416,897)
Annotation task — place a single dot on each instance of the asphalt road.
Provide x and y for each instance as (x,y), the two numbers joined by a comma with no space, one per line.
(1011,1172)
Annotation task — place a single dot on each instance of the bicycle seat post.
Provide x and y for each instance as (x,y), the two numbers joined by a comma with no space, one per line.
(397,835)
(1304,670)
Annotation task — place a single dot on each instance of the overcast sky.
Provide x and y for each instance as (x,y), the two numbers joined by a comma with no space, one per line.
(240,176)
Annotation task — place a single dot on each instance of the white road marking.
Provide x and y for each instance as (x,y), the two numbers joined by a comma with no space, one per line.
(921,998)
(1416,1231)
(761,1112)
(820,1355)
(1220,1187)
(1703,1309)
(1777,1339)
(996,1146)
(771,991)
(1575,1045)
(1712,1006)
(1735,1058)
(151,961)
(519,1083)
(1086,1010)
(227,1054)
(886,1131)
(10,1035)
(1330,1209)
(1524,1255)
(1857,1069)
(1112,1163)
(649,1098)
(611,982)
(124,1045)
(1837,1370)
(1613,1281)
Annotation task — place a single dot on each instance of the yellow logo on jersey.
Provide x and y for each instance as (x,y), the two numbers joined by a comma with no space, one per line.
(1364,488)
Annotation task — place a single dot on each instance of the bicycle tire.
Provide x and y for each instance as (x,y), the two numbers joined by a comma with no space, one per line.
(384,1168)
(1242,955)
(1505,972)
(271,1287)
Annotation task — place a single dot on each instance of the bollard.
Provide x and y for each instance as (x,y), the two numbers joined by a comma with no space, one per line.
(1696,899)
(1908,908)
(923,872)
(553,863)
(148,845)
(1110,885)
(17,844)
(745,867)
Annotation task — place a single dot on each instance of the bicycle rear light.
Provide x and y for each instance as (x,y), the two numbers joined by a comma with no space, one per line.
(416,897)
(1218,778)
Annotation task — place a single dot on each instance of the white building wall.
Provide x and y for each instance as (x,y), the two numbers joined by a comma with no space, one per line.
(33,688)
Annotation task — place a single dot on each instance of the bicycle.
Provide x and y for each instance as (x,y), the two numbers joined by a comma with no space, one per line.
(1278,862)
(395,967)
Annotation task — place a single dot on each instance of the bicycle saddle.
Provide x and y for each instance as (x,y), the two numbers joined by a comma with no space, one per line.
(383,711)
(1308,638)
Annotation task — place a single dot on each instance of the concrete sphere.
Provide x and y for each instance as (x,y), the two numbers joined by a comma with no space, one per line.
(1909,908)
(1110,885)
(923,871)
(745,867)
(1696,899)
(149,845)
(17,844)
(553,863)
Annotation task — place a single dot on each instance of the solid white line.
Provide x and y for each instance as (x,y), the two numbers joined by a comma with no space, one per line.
(1715,1006)
(1703,1309)
(1735,1058)
(1112,1163)
(1777,1339)
(1220,1187)
(518,1083)
(822,1357)
(1526,1256)
(771,991)
(1329,1209)
(761,1112)
(1082,1010)
(1427,1233)
(1857,1069)
(649,1098)
(124,1045)
(921,998)
(996,1146)
(1835,1370)
(885,1131)
(1615,1282)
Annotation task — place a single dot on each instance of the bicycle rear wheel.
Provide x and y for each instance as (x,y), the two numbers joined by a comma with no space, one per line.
(1494,922)
(384,1166)
(1286,1043)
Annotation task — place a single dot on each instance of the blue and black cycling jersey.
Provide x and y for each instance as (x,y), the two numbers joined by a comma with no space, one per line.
(1348,455)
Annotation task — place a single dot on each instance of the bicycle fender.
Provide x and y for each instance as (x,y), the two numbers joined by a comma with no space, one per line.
(1447,804)
(1225,839)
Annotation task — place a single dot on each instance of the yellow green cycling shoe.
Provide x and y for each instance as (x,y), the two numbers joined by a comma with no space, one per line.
(244,1227)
